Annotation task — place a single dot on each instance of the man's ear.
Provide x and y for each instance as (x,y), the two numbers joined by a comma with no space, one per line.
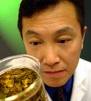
(83,35)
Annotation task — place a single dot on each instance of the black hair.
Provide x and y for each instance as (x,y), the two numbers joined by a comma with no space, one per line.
(29,7)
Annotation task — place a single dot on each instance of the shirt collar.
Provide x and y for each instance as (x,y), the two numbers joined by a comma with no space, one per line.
(67,87)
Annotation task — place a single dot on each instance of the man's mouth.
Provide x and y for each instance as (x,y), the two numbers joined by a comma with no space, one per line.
(60,73)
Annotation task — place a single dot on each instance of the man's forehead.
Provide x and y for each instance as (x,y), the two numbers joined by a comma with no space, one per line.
(62,9)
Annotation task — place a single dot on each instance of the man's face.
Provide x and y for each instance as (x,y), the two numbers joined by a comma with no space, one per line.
(54,37)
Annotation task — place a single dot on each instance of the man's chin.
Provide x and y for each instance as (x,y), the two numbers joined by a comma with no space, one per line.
(55,84)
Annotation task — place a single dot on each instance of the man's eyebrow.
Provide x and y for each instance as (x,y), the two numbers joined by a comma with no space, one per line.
(30,33)
(61,31)
(65,30)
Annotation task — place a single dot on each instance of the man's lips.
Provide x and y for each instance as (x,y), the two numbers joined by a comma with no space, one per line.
(59,73)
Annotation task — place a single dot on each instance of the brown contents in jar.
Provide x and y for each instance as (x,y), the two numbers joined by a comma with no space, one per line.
(15,81)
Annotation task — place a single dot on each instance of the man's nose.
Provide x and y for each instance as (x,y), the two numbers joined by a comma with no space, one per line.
(51,57)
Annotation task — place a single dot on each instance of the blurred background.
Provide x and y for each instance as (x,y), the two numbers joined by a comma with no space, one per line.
(10,40)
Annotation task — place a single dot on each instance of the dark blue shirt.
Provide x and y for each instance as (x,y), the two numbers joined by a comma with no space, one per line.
(67,90)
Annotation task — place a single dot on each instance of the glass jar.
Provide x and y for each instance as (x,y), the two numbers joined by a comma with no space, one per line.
(20,79)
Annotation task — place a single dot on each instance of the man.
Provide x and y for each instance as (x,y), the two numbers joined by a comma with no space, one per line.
(53,31)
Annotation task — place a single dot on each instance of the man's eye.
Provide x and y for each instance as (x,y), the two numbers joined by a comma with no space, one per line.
(35,43)
(63,41)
